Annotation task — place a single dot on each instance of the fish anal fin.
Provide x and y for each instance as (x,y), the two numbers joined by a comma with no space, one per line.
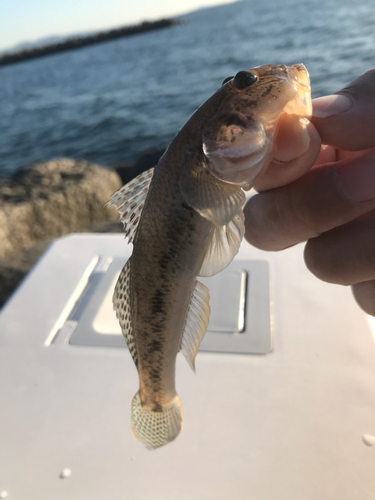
(224,244)
(196,323)
(121,304)
(129,202)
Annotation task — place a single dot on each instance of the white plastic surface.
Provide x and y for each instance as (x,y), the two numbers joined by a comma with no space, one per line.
(240,319)
(295,424)
(225,297)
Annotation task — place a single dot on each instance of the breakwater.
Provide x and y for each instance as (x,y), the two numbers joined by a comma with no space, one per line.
(77,42)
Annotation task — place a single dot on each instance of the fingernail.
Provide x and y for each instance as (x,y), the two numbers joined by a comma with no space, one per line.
(330,105)
(292,139)
(358,180)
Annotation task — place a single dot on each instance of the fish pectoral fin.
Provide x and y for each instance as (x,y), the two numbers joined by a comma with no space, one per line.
(129,202)
(121,304)
(196,323)
(224,244)
(212,198)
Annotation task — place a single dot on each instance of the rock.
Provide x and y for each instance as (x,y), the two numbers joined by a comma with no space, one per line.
(13,269)
(10,277)
(53,198)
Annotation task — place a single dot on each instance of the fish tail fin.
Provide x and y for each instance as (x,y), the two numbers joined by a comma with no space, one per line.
(156,427)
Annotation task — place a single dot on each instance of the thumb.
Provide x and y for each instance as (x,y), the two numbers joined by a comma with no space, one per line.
(346,120)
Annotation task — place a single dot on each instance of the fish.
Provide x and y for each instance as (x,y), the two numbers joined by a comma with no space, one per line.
(184,218)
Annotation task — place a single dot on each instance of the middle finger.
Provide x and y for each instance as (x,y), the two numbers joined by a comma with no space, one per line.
(326,197)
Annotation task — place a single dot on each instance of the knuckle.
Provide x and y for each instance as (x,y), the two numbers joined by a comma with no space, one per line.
(324,263)
(364,294)
(364,84)
(301,216)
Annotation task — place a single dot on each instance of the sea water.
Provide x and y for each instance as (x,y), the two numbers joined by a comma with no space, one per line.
(108,103)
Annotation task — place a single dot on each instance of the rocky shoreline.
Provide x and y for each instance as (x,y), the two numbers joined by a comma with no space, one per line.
(53,198)
(77,42)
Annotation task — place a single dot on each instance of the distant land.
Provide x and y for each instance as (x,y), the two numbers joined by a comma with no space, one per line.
(78,41)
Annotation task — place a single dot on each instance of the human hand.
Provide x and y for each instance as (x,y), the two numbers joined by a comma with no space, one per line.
(332,206)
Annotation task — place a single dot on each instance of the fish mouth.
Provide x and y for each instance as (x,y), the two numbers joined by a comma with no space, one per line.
(299,74)
(301,104)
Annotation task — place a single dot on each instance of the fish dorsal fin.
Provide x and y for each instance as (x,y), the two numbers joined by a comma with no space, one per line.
(129,201)
(216,200)
(121,304)
(224,244)
(196,323)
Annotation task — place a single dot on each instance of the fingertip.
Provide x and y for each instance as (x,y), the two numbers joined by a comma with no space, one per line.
(329,105)
(346,120)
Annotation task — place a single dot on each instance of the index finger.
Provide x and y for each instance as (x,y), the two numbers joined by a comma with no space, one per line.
(346,120)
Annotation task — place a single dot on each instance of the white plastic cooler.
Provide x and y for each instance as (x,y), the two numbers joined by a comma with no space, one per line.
(282,406)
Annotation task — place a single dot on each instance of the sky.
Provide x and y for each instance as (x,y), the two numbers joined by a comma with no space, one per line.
(30,20)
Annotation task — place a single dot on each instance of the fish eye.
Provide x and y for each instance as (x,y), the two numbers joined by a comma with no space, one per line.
(244,79)
(227,80)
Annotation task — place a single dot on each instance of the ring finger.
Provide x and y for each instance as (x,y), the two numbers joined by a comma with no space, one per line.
(344,255)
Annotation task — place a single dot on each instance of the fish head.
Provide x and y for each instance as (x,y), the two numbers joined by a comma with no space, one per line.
(238,140)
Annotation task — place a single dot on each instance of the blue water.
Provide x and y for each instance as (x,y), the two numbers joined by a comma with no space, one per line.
(108,103)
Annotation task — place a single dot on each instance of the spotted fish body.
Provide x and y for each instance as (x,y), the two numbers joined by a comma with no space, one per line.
(184,218)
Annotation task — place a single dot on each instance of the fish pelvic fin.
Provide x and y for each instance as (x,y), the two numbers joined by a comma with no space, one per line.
(212,198)
(129,202)
(224,244)
(121,304)
(157,426)
(196,323)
